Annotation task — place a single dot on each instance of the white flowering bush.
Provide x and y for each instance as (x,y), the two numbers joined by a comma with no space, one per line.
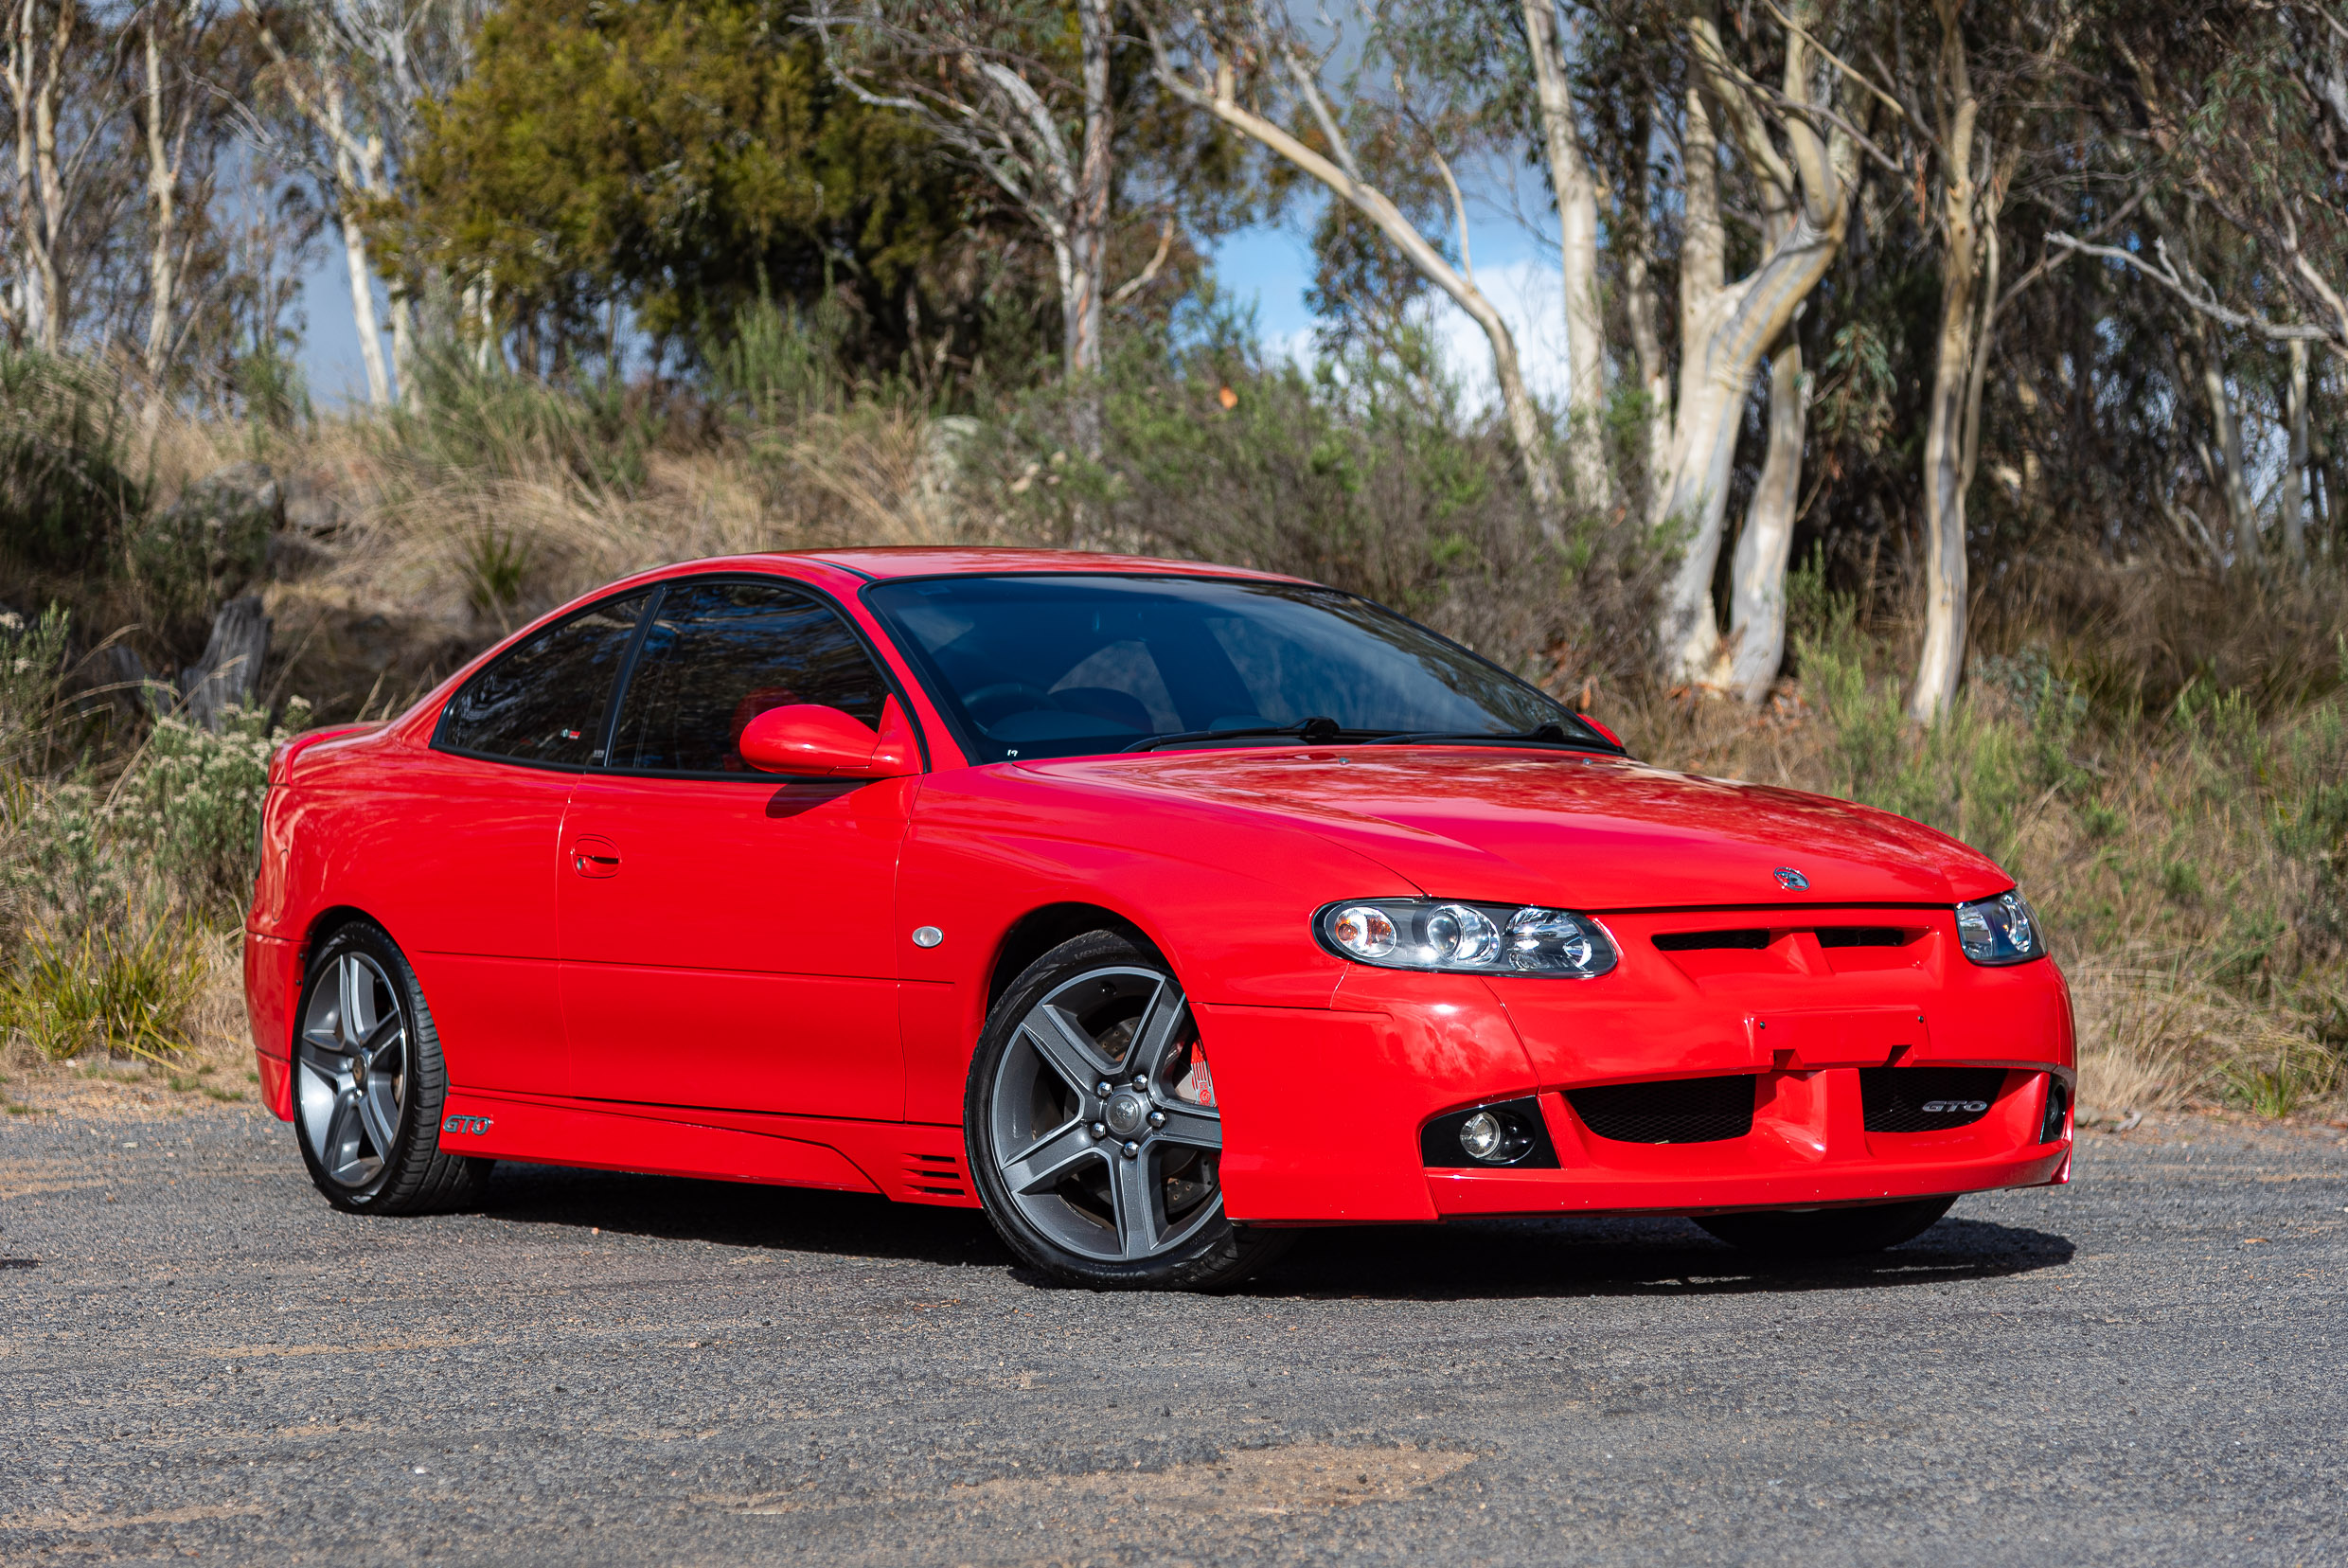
(192,803)
(110,870)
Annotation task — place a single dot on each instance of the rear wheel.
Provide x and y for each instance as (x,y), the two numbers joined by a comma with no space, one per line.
(1826,1233)
(370,1084)
(1093,1129)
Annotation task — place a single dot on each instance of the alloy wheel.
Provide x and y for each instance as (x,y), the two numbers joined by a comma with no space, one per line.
(352,1070)
(1103,1122)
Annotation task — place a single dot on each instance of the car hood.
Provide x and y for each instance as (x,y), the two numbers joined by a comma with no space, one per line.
(1566,827)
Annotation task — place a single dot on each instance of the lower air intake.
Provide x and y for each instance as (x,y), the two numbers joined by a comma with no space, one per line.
(1677,1111)
(1926,1099)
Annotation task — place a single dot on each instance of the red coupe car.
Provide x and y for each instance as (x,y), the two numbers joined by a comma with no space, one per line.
(1157,909)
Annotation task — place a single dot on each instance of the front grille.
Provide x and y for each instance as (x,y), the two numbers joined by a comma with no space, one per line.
(1926,1099)
(1696,941)
(1677,1111)
(1858,936)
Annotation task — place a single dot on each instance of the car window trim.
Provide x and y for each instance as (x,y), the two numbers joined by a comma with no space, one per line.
(948,708)
(440,722)
(628,673)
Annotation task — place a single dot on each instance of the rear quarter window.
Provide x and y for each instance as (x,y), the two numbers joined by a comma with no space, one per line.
(544,699)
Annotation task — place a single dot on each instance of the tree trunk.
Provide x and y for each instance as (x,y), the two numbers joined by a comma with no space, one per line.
(1952,430)
(403,347)
(1637,241)
(348,189)
(50,332)
(163,185)
(1523,415)
(2226,423)
(1724,332)
(1577,242)
(2294,478)
(229,674)
(1757,589)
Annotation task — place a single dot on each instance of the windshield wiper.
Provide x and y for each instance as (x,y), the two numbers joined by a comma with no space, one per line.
(1553,735)
(1319,730)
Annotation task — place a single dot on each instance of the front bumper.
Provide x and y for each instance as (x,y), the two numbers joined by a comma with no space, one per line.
(1323,1108)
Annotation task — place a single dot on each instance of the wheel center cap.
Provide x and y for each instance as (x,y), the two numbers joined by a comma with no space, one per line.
(1125,1113)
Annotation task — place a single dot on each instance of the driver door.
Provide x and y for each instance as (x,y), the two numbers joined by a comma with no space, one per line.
(725,934)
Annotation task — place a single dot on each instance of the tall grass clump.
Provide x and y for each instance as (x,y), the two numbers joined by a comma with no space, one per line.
(121,868)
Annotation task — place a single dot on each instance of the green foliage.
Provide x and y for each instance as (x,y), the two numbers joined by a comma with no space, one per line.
(124,987)
(687,158)
(467,420)
(32,657)
(191,806)
(2298,1072)
(205,546)
(1977,772)
(66,488)
(496,563)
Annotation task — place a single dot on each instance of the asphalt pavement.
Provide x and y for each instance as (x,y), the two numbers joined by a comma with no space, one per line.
(198,1357)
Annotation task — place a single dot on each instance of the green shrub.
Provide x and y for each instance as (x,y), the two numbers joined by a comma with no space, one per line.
(66,488)
(123,987)
(192,804)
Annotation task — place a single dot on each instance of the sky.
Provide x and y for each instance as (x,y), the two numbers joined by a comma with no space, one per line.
(1270,264)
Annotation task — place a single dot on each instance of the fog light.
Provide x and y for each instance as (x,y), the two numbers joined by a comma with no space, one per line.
(2057,1108)
(1482,1137)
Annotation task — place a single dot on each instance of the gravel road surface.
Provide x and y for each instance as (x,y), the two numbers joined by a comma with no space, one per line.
(199,1358)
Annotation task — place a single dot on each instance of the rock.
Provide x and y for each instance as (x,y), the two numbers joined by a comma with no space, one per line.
(238,490)
(229,674)
(292,557)
(208,543)
(312,506)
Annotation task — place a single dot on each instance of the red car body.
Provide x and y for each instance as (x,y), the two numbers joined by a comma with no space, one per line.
(622,974)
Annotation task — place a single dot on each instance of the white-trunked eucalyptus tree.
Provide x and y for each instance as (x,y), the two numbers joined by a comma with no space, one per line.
(992,82)
(1256,71)
(1725,330)
(360,75)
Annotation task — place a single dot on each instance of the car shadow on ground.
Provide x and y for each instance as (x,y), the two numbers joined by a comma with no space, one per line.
(1626,1256)
(741,1213)
(1568,1257)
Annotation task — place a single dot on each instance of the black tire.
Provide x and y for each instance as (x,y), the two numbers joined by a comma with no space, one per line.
(1826,1233)
(1204,1249)
(403,1077)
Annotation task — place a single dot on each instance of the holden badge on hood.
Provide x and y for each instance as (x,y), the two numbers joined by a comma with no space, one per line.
(1793,880)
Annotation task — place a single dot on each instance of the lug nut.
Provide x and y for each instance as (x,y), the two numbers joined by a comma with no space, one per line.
(1098,1130)
(1157,1118)
(1132,1150)
(1141,1080)
(1101,1088)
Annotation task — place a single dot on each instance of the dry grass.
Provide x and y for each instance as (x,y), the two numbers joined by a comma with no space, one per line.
(2160,851)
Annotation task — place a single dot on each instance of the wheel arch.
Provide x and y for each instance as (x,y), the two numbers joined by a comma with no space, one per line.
(325,921)
(1040,930)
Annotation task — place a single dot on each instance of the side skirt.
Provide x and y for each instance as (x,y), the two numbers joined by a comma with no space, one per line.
(910,1163)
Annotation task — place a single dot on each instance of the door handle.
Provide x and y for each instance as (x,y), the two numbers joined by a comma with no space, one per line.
(592,856)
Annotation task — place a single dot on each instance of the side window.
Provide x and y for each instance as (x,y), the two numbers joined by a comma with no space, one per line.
(716,655)
(543,701)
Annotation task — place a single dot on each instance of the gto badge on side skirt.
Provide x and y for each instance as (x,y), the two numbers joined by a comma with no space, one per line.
(475,1125)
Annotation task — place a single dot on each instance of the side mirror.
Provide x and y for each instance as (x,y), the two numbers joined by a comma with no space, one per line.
(812,741)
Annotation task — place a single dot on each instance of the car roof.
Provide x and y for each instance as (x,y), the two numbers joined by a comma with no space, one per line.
(882,562)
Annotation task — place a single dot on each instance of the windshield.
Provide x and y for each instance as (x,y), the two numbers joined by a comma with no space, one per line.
(1064,666)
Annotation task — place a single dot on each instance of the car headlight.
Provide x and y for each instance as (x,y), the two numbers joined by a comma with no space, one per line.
(1466,939)
(2000,931)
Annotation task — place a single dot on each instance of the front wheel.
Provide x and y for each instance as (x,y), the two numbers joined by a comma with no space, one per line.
(369,1083)
(1826,1233)
(1093,1129)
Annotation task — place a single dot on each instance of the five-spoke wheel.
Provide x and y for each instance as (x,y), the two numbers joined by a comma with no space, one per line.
(368,1083)
(350,1067)
(1092,1125)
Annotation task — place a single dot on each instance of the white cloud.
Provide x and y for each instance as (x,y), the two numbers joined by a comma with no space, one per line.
(1531,301)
